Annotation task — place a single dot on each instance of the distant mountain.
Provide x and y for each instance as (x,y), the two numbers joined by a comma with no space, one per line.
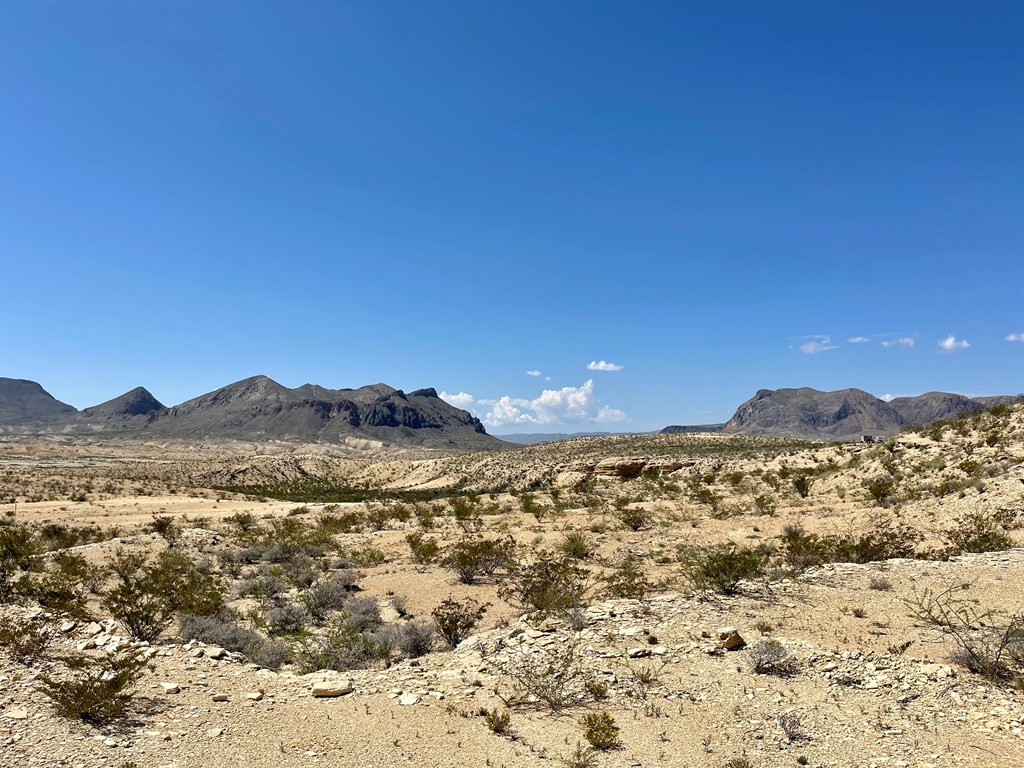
(845,413)
(254,409)
(25,403)
(532,438)
(132,410)
(680,429)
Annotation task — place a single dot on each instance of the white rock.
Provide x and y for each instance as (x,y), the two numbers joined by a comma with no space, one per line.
(329,690)
(408,699)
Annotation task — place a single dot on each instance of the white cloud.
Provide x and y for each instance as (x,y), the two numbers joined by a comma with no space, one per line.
(602,365)
(460,400)
(568,405)
(858,340)
(902,341)
(533,373)
(1015,337)
(816,344)
(951,344)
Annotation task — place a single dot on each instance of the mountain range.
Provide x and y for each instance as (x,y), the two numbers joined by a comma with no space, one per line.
(844,413)
(254,409)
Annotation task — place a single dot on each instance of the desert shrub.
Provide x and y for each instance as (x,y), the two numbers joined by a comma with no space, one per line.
(166,528)
(415,639)
(26,639)
(546,585)
(979,532)
(721,568)
(363,613)
(424,551)
(60,589)
(770,657)
(629,581)
(765,504)
(575,544)
(472,558)
(497,721)
(553,681)
(266,586)
(143,612)
(228,635)
(287,619)
(634,518)
(79,570)
(600,730)
(880,489)
(341,648)
(300,571)
(886,540)
(187,586)
(323,598)
(367,557)
(96,690)
(880,584)
(802,485)
(530,506)
(739,762)
(988,643)
(456,620)
(581,757)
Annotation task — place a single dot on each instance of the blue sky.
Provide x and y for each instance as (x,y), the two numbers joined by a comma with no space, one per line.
(711,197)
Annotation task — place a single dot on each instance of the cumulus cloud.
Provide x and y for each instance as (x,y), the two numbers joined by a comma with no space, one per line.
(1015,337)
(902,341)
(568,405)
(533,373)
(816,344)
(603,365)
(462,400)
(951,344)
(858,340)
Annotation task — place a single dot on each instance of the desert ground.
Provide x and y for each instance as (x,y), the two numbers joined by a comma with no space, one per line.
(683,600)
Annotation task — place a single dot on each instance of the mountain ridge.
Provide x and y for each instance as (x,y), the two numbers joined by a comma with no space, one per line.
(256,408)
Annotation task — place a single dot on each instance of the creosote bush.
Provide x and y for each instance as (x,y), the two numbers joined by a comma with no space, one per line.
(96,690)
(548,585)
(455,620)
(722,567)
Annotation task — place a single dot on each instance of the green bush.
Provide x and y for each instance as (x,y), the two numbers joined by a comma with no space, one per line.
(600,730)
(547,585)
(96,690)
(456,620)
(722,567)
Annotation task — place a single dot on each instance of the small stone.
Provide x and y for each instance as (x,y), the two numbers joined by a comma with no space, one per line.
(68,625)
(214,732)
(16,714)
(730,639)
(638,652)
(408,699)
(170,688)
(221,697)
(256,696)
(215,653)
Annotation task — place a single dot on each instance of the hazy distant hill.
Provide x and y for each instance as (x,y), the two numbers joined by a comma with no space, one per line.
(807,412)
(254,409)
(532,438)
